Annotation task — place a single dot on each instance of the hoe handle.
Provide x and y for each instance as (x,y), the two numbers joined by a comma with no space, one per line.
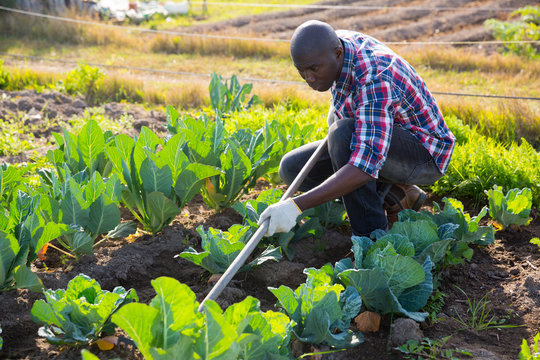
(254,241)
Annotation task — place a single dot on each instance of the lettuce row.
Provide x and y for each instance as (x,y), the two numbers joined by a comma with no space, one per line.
(321,311)
(158,183)
(220,248)
(86,206)
(80,313)
(171,327)
(514,208)
(83,152)
(23,231)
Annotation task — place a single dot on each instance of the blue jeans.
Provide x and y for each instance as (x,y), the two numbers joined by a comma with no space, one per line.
(407,162)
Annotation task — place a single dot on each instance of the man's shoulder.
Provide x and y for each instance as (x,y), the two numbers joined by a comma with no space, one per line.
(350,35)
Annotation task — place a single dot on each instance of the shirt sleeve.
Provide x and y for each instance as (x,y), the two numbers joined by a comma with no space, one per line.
(373,127)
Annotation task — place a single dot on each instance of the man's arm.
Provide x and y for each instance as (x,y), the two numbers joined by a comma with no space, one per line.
(342,182)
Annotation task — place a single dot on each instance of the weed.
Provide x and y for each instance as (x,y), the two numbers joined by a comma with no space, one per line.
(481,317)
(84,80)
(526,354)
(15,137)
(117,126)
(435,306)
(430,349)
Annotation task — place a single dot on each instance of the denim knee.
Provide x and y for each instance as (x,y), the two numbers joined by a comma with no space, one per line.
(339,142)
(287,170)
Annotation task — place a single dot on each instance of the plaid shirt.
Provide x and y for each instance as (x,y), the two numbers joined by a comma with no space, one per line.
(379,88)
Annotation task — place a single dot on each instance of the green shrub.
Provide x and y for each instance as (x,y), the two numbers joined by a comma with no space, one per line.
(84,80)
(479,162)
(526,28)
(4,76)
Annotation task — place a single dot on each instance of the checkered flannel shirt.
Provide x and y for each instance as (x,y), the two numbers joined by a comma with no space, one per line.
(379,88)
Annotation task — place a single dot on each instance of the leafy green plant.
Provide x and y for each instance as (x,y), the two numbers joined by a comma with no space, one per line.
(430,349)
(87,355)
(82,152)
(435,305)
(481,162)
(513,208)
(171,327)
(444,234)
(4,76)
(220,248)
(527,28)
(535,241)
(157,183)
(480,315)
(387,278)
(242,157)
(14,273)
(79,314)
(290,139)
(22,233)
(321,311)
(526,353)
(84,80)
(12,180)
(331,214)
(229,96)
(251,210)
(88,206)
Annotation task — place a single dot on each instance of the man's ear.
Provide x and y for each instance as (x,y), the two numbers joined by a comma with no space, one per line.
(338,51)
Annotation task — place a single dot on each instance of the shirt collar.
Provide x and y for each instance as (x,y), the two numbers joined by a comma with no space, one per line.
(341,88)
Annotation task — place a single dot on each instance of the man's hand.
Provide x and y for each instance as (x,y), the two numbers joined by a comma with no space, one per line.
(282,216)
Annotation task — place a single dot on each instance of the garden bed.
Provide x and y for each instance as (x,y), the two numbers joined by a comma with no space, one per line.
(508,271)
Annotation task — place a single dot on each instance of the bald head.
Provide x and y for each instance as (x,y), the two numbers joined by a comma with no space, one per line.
(317,54)
(313,36)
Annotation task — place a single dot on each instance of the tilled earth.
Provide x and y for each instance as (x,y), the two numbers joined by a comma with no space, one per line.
(426,20)
(508,271)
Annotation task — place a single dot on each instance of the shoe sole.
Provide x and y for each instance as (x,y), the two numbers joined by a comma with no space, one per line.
(419,201)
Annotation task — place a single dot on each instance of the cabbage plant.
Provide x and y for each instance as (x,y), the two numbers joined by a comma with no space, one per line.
(514,208)
(171,327)
(321,310)
(80,313)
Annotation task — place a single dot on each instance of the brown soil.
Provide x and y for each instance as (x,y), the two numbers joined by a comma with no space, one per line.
(45,113)
(406,21)
(508,270)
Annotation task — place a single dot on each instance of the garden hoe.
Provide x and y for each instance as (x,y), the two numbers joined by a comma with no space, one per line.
(254,241)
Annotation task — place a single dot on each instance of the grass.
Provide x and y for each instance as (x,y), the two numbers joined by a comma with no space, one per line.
(502,119)
(480,316)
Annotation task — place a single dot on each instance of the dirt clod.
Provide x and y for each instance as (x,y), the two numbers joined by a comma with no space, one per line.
(404,330)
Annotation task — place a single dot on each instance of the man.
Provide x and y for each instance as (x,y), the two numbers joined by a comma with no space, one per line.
(386,132)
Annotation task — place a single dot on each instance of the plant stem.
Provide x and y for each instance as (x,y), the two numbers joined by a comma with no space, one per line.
(62,251)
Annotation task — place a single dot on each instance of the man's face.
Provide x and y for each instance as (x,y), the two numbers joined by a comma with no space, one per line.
(319,70)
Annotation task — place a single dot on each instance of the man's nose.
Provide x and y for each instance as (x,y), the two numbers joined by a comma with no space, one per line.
(309,77)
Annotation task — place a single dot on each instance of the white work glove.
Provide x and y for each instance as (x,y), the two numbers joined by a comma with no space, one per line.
(282,216)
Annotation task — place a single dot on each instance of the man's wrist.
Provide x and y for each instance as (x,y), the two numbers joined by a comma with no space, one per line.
(295,204)
(299,203)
